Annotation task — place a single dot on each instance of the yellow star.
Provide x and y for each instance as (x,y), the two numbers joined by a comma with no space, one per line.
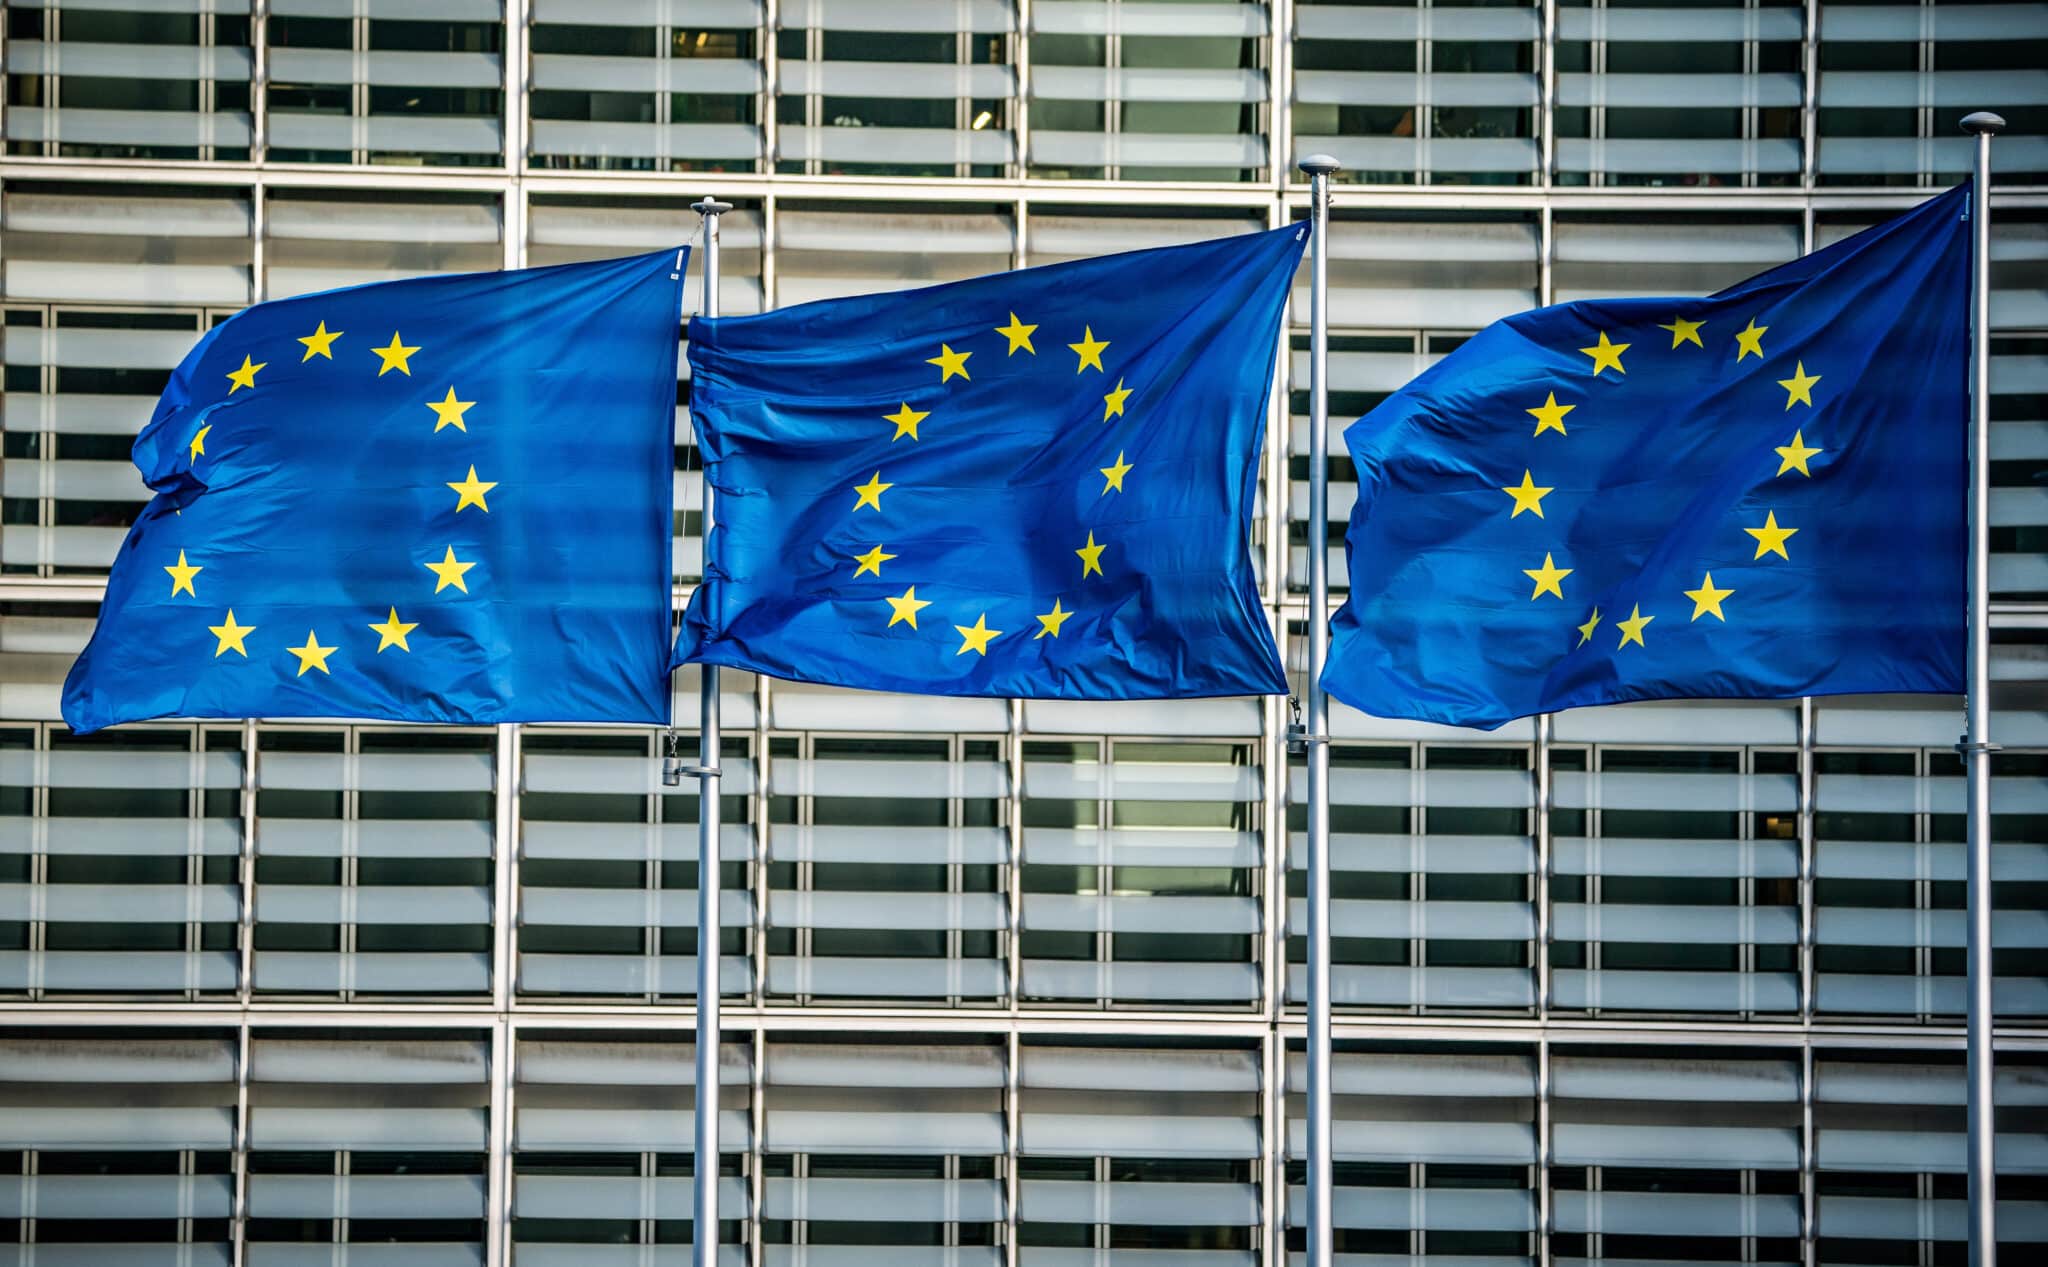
(1546,578)
(1683,331)
(1605,354)
(906,420)
(181,576)
(393,631)
(1632,628)
(872,561)
(977,636)
(1089,349)
(1019,336)
(950,363)
(1113,476)
(1750,342)
(1799,387)
(1586,630)
(1091,556)
(394,359)
(1113,403)
(1051,621)
(1549,415)
(448,412)
(199,441)
(1528,497)
(244,377)
(312,655)
(905,607)
(870,493)
(1708,599)
(449,572)
(1795,454)
(231,635)
(1770,539)
(470,492)
(318,343)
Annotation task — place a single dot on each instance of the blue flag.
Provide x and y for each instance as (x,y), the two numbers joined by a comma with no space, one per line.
(1754,495)
(1032,484)
(444,500)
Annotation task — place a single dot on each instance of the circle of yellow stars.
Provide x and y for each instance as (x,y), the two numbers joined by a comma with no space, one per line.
(952,363)
(449,571)
(1770,536)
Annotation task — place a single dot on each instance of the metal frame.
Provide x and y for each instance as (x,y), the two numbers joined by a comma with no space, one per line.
(1273,1028)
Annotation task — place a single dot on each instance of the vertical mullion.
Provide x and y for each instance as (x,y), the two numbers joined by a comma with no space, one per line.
(246,871)
(1807,859)
(763,829)
(1809,112)
(771,87)
(1020,116)
(1013,1123)
(757,1113)
(1809,1240)
(505,843)
(498,1175)
(1013,816)
(239,1157)
(1546,1211)
(1546,88)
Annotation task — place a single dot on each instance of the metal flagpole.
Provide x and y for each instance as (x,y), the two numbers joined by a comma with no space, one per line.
(1977,746)
(705,1234)
(1319,168)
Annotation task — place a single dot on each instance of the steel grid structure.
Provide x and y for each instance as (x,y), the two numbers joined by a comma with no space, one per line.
(1544,1054)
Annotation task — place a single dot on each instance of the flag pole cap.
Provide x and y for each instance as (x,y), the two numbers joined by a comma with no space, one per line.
(1319,165)
(1983,122)
(709,206)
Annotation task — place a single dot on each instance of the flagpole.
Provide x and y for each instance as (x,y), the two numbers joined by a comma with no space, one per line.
(1319,167)
(1977,746)
(705,1224)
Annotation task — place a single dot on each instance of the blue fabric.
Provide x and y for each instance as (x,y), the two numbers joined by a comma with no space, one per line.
(990,477)
(1659,472)
(319,491)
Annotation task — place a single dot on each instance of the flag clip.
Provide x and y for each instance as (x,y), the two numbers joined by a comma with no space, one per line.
(1966,748)
(1298,738)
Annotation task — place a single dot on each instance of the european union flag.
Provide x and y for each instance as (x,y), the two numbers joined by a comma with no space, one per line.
(1758,495)
(444,499)
(1031,484)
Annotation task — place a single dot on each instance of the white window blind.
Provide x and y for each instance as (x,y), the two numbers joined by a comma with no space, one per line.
(886,863)
(373,862)
(1889,860)
(1145,1146)
(1142,91)
(118,1145)
(1432,859)
(608,863)
(1882,65)
(80,384)
(1609,256)
(108,244)
(119,854)
(915,88)
(360,1139)
(1693,96)
(1675,872)
(647,87)
(392,81)
(129,79)
(832,250)
(883,1151)
(1140,872)
(1433,1145)
(322,239)
(1408,94)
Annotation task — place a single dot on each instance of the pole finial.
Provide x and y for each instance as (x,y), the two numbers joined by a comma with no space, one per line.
(1983,122)
(710,206)
(1319,165)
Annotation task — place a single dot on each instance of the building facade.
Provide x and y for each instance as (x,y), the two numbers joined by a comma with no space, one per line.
(1006,983)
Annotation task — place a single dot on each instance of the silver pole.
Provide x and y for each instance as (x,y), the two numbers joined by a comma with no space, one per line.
(1319,168)
(1977,746)
(705,1237)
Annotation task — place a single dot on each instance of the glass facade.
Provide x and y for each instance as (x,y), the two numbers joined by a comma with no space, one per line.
(1006,983)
